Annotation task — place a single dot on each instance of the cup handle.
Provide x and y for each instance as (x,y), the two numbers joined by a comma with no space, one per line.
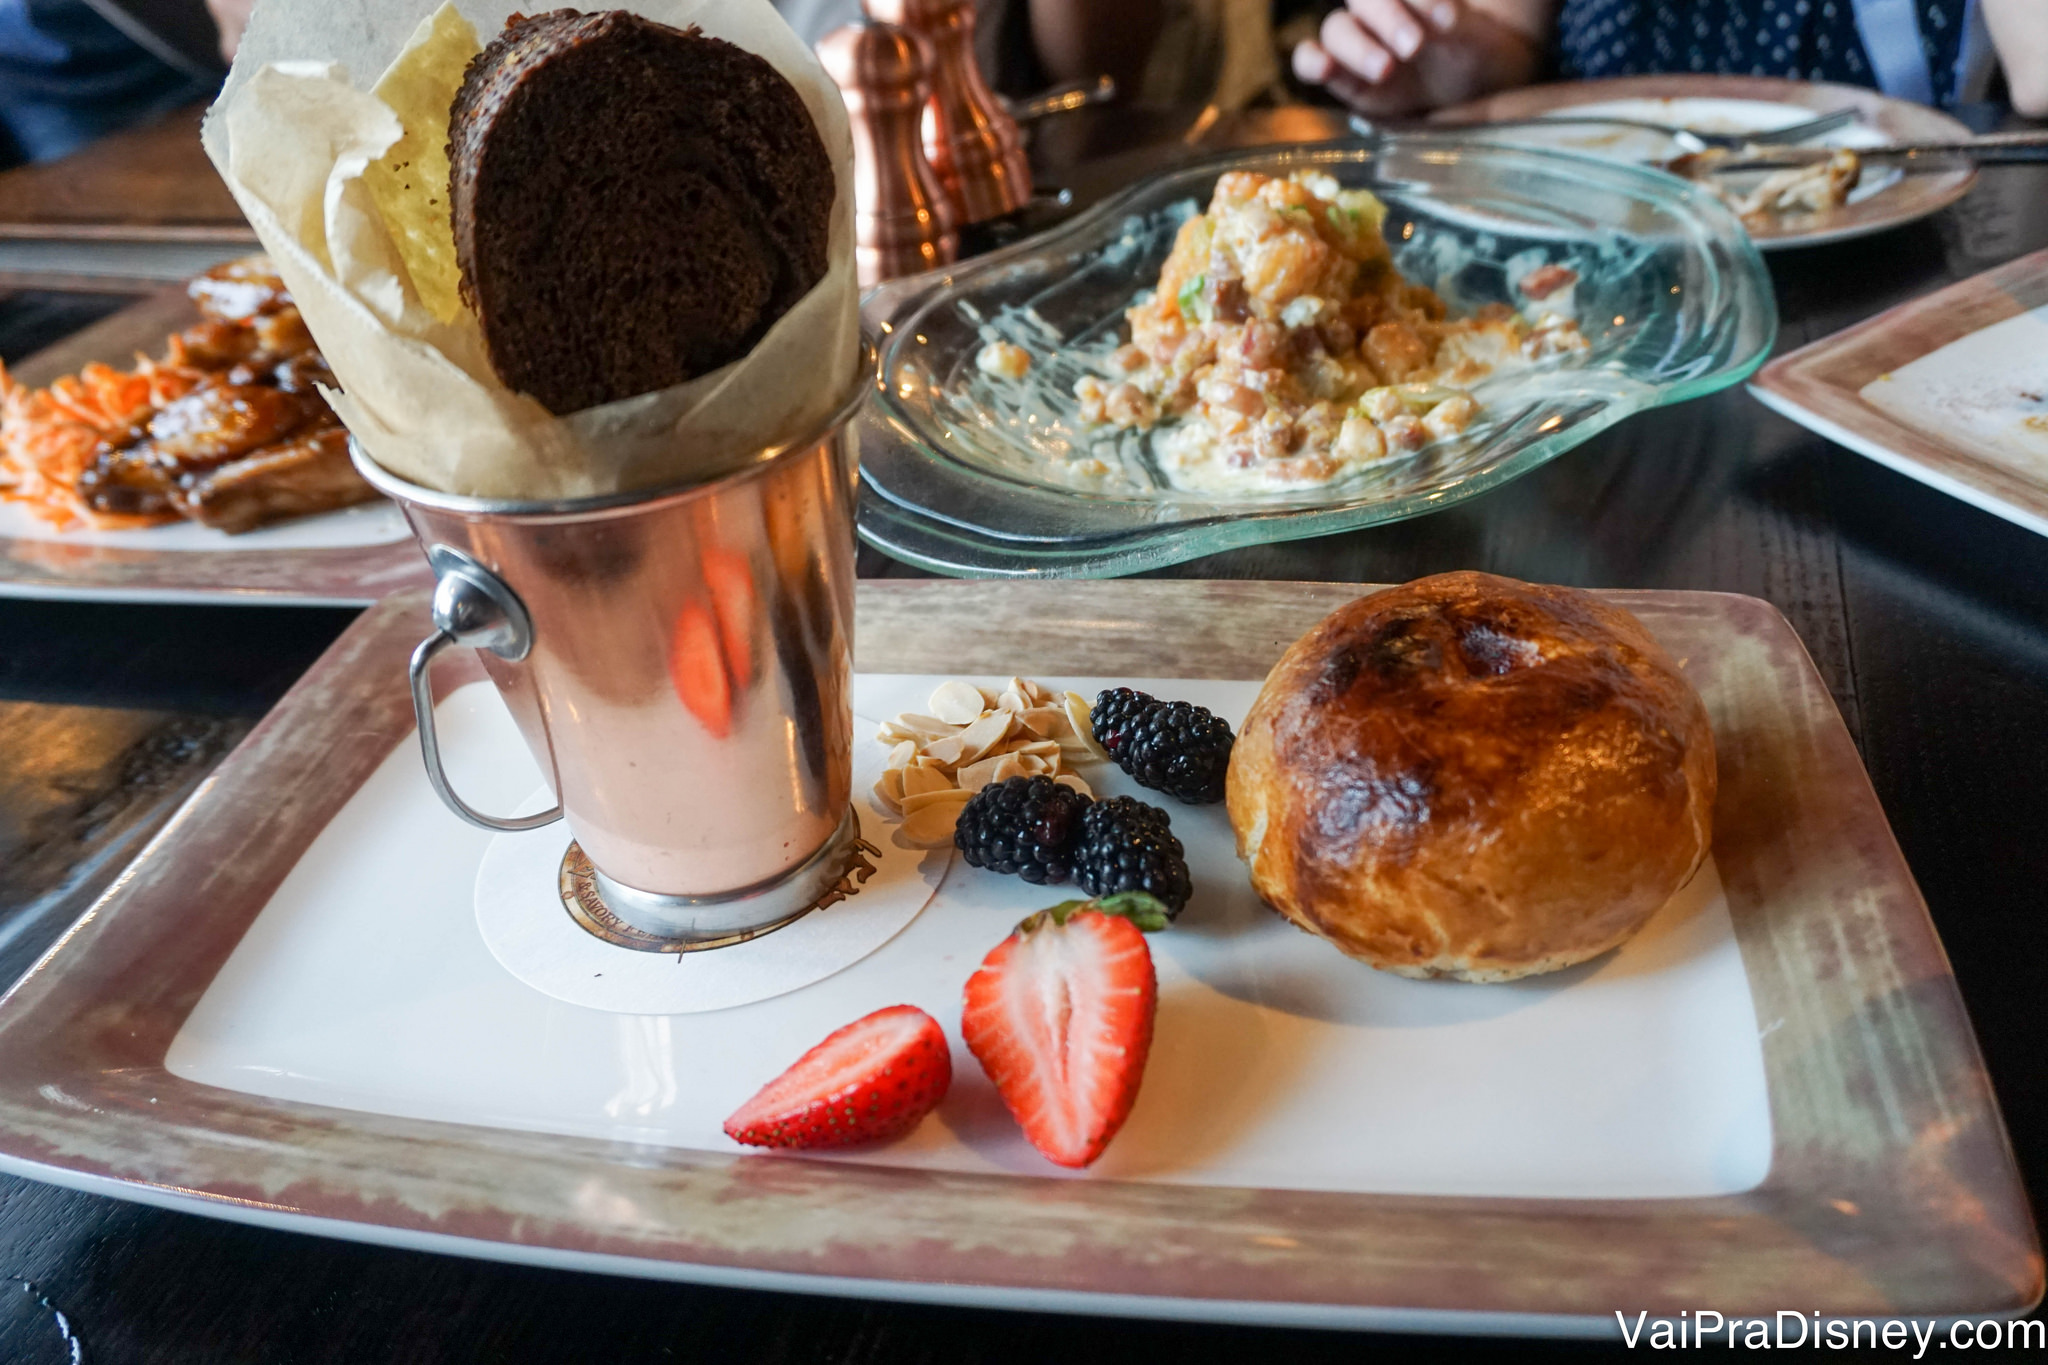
(472,606)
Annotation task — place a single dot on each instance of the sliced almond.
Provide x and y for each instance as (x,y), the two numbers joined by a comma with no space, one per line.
(917,781)
(950,796)
(1075,781)
(1077,716)
(972,738)
(1047,722)
(931,826)
(985,734)
(958,703)
(945,753)
(927,727)
(972,777)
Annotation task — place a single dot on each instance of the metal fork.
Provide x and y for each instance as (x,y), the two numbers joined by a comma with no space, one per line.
(1690,138)
(1993,149)
(1063,99)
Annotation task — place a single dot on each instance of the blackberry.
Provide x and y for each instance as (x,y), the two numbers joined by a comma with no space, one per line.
(1022,827)
(1171,746)
(1127,810)
(1114,712)
(1126,845)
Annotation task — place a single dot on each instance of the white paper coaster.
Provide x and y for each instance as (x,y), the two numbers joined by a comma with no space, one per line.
(519,911)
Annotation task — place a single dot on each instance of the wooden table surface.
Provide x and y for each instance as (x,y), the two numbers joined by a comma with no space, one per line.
(1929,620)
(151,183)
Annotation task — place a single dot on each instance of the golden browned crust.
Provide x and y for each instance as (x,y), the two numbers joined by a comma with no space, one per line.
(1474,777)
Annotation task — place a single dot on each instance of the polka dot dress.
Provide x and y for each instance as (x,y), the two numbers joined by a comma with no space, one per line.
(1807,39)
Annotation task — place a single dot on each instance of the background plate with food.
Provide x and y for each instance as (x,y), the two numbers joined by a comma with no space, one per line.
(1290,342)
(1950,389)
(180,449)
(1883,197)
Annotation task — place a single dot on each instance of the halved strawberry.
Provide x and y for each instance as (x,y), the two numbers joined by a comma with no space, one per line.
(731,584)
(1060,1017)
(696,666)
(870,1081)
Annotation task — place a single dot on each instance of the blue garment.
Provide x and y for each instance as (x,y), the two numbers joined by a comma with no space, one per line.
(68,76)
(1805,39)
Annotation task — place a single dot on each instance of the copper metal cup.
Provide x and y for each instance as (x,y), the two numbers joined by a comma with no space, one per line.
(679,661)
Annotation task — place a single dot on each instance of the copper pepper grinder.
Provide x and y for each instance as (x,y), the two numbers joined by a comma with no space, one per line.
(902,220)
(972,141)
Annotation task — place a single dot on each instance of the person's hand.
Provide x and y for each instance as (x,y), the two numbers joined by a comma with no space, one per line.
(1370,54)
(230,17)
(1385,57)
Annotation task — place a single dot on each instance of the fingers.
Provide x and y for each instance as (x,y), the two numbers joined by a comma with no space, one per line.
(1374,101)
(1363,53)
(1345,39)
(1370,38)
(1314,64)
(1391,24)
(1441,15)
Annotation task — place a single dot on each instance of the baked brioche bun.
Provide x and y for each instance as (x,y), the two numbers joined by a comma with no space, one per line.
(1473,777)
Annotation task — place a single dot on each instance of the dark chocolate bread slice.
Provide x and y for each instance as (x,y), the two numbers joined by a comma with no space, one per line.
(634,204)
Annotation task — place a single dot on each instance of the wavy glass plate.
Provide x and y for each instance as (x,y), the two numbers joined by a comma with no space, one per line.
(966,474)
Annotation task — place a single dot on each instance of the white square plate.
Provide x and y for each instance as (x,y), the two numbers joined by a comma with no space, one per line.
(1950,389)
(351,556)
(1314,1143)
(1277,1061)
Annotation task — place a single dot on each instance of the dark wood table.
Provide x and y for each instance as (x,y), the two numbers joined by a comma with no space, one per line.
(1928,618)
(126,212)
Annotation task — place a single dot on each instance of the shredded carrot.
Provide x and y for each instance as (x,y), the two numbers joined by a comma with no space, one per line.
(49,437)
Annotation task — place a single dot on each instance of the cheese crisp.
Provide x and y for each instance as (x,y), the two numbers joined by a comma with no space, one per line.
(409,183)
(1292,351)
